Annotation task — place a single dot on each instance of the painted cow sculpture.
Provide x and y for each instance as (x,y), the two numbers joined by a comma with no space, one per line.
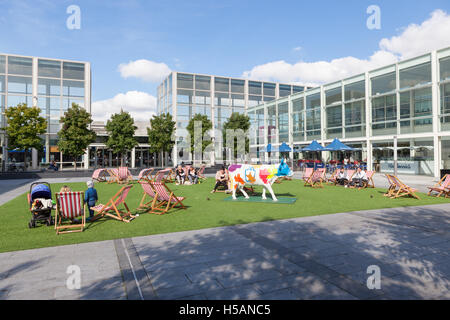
(263,175)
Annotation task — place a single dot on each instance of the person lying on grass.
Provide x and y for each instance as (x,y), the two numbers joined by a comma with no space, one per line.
(90,197)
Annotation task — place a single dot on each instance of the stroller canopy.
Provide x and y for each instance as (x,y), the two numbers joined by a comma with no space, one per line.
(41,191)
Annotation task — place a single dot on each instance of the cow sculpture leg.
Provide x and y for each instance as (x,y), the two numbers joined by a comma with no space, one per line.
(269,187)
(241,188)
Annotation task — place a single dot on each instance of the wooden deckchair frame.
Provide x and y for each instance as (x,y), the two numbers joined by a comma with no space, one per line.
(392,186)
(100,175)
(403,189)
(163,192)
(369,183)
(332,179)
(123,179)
(60,214)
(200,173)
(155,204)
(305,177)
(442,187)
(112,205)
(146,174)
(113,175)
(316,179)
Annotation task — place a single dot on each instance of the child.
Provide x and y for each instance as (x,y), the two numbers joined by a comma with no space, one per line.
(90,197)
(65,189)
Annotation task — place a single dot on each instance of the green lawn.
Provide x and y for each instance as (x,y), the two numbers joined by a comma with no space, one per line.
(205,210)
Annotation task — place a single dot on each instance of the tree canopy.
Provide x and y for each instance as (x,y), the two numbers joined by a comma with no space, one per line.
(235,122)
(75,135)
(121,131)
(206,126)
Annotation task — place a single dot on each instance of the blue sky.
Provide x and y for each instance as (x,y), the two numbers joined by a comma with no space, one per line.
(212,37)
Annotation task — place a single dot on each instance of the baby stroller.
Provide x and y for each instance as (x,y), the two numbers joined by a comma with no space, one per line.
(40,202)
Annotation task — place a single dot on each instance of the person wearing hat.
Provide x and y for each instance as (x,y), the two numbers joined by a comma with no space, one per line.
(90,198)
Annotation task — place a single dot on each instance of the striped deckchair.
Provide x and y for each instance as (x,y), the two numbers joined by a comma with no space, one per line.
(392,186)
(113,175)
(349,175)
(332,179)
(124,175)
(99,175)
(316,179)
(402,189)
(442,187)
(153,205)
(160,175)
(369,183)
(69,205)
(145,174)
(201,173)
(111,208)
(170,199)
(307,174)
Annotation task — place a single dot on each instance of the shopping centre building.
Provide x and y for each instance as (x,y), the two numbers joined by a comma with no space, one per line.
(185,94)
(52,85)
(408,101)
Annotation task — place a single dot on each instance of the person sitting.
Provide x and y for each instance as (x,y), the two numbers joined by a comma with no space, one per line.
(341,178)
(359,178)
(90,198)
(180,175)
(221,179)
(53,166)
(65,189)
(193,175)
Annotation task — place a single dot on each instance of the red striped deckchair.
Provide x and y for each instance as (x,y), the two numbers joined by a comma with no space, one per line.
(113,175)
(442,187)
(100,175)
(69,205)
(392,186)
(111,208)
(369,183)
(307,174)
(349,175)
(145,174)
(402,189)
(124,175)
(160,175)
(154,205)
(332,179)
(201,174)
(164,193)
(316,179)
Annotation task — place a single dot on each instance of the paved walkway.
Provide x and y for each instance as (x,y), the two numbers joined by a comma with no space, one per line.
(322,257)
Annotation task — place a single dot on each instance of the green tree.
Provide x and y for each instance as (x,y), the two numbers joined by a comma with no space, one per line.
(75,135)
(235,122)
(24,125)
(160,134)
(121,131)
(206,126)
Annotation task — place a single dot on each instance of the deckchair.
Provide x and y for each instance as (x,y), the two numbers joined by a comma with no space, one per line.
(145,174)
(307,174)
(153,205)
(124,175)
(99,175)
(349,175)
(69,205)
(161,174)
(316,179)
(164,194)
(200,173)
(442,187)
(369,183)
(113,175)
(392,186)
(332,179)
(402,189)
(111,208)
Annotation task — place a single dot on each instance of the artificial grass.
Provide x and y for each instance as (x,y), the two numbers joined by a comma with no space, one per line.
(204,210)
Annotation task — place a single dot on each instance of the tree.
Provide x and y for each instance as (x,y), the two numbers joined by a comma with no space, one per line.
(206,126)
(235,122)
(24,126)
(75,135)
(121,131)
(160,134)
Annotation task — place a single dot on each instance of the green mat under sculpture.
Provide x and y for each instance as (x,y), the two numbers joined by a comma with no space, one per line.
(281,200)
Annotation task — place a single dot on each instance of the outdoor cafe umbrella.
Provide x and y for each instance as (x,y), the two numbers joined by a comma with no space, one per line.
(337,145)
(284,148)
(313,147)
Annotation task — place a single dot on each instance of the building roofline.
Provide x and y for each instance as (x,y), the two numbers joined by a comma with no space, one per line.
(44,58)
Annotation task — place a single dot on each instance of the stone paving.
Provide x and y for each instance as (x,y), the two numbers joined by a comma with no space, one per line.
(321,257)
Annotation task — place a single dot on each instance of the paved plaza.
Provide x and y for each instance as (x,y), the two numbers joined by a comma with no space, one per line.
(321,257)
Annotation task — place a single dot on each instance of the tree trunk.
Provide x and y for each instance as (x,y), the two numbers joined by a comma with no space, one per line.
(74,163)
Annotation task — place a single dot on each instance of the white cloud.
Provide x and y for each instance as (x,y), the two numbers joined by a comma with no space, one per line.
(141,106)
(297,49)
(432,34)
(146,70)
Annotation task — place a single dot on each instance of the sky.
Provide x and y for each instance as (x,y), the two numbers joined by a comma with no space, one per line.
(132,45)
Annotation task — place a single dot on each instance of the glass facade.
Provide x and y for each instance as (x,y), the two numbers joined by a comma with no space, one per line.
(368,110)
(58,84)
